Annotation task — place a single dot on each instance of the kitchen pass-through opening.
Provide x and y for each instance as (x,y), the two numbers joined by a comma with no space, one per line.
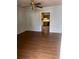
(45,17)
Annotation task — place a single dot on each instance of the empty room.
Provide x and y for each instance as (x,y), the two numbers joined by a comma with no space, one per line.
(39,29)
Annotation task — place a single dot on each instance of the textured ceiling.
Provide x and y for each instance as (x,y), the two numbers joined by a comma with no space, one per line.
(23,3)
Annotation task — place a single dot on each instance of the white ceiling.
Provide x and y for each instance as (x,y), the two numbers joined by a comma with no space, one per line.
(23,3)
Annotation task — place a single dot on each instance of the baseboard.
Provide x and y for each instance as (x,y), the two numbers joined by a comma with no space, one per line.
(39,32)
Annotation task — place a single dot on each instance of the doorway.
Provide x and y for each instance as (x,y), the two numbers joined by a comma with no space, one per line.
(45,18)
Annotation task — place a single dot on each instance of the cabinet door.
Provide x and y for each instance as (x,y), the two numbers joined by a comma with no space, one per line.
(45,29)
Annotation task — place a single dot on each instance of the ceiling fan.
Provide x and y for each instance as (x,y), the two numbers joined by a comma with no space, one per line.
(38,5)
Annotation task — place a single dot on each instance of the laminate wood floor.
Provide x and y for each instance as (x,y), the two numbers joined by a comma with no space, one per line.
(36,45)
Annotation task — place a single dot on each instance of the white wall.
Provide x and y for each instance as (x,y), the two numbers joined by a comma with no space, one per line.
(34,21)
(56,19)
(30,20)
(21,21)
